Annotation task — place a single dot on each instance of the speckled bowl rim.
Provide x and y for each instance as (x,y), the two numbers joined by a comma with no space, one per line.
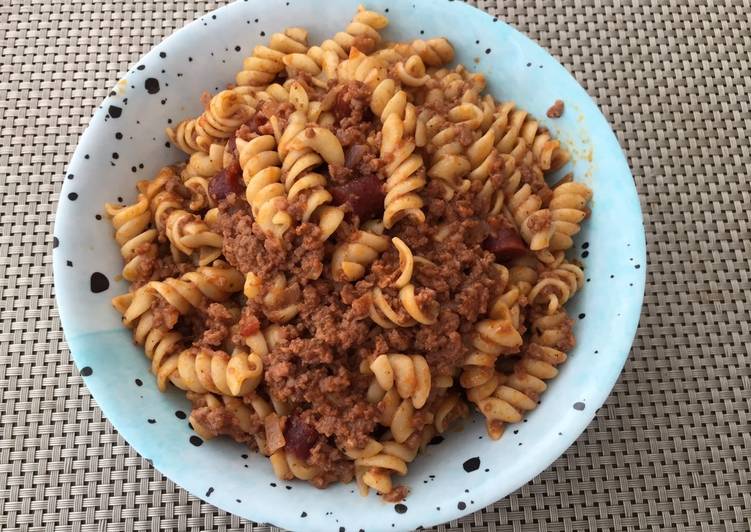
(90,327)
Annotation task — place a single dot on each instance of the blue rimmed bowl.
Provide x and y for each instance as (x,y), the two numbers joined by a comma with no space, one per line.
(125,142)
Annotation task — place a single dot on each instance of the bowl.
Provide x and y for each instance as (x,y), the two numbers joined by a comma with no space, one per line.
(125,142)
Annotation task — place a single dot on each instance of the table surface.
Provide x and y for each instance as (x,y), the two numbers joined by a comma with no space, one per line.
(669,450)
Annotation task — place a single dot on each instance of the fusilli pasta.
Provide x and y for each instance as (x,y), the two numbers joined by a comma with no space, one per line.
(361,245)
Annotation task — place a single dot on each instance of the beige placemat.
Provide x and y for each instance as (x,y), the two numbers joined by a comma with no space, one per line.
(670,450)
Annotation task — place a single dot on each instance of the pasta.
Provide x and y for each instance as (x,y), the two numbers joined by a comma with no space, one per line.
(351,258)
(132,234)
(410,375)
(261,68)
(189,235)
(360,246)
(264,190)
(203,371)
(224,113)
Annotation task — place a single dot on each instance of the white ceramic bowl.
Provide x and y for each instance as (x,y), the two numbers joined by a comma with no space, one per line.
(125,142)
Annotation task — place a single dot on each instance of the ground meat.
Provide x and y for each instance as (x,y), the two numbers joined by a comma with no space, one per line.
(534,178)
(174,185)
(352,111)
(248,325)
(306,371)
(222,421)
(333,322)
(564,334)
(556,110)
(339,174)
(243,240)
(217,325)
(540,221)
(165,315)
(466,135)
(246,247)
(259,123)
(399,493)
(334,465)
(365,163)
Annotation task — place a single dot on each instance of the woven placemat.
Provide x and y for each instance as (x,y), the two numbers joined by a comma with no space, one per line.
(670,449)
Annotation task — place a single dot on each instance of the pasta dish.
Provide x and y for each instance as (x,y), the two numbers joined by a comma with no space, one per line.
(359,249)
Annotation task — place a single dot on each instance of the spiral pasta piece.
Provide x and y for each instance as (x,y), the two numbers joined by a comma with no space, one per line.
(547,151)
(161,200)
(160,345)
(304,149)
(523,273)
(264,191)
(205,164)
(287,466)
(568,207)
(185,136)
(448,163)
(200,169)
(519,392)
(351,259)
(427,125)
(388,98)
(493,337)
(266,62)
(409,374)
(296,94)
(320,62)
(412,72)
(408,313)
(494,193)
(433,52)
(450,408)
(363,31)
(406,263)
(507,126)
(162,205)
(189,235)
(366,69)
(132,234)
(298,137)
(274,92)
(202,371)
(554,288)
(214,283)
(200,199)
(482,156)
(474,84)
(513,125)
(466,114)
(280,301)
(534,222)
(225,112)
(405,174)
(374,468)
(488,106)
(242,416)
